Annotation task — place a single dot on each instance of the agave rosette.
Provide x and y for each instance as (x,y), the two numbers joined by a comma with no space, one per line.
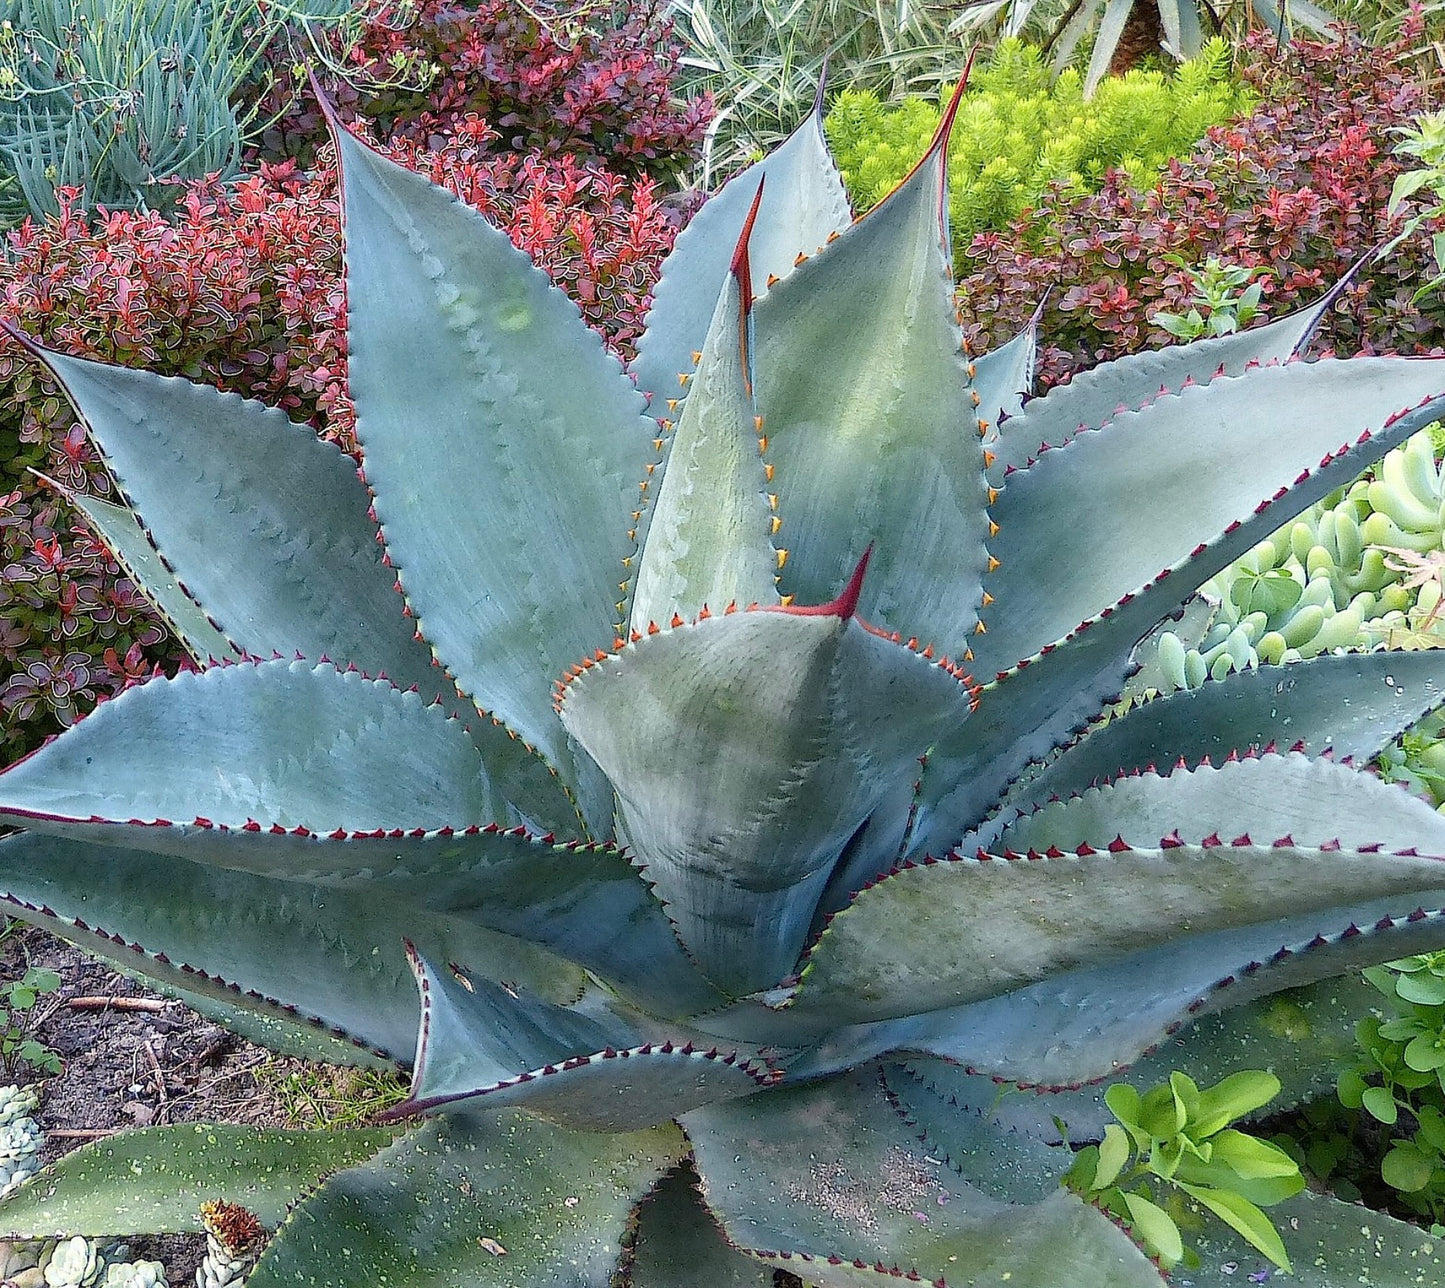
(733,866)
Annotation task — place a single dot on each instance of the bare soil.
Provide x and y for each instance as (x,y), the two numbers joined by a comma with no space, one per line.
(126,1068)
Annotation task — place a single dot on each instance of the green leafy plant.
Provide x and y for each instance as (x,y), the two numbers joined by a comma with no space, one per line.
(17,1002)
(1399,1081)
(1020,130)
(1226,298)
(123,100)
(722,832)
(1425,141)
(1182,1140)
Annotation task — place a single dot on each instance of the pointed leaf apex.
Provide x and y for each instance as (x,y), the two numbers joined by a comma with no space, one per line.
(945,124)
(818,93)
(845,606)
(323,101)
(740,267)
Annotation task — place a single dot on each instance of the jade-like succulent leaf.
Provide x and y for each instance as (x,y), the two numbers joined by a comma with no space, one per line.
(806,203)
(126,539)
(550,439)
(741,833)
(804,1175)
(155,1179)
(1152,485)
(330,957)
(1083,1025)
(892,953)
(506,1201)
(1032,710)
(1313,802)
(1093,397)
(280,743)
(708,539)
(1350,705)
(872,445)
(678,1243)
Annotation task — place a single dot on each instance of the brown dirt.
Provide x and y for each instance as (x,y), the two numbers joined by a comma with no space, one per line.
(126,1068)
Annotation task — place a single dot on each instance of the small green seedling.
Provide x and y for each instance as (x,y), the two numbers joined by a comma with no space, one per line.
(1226,299)
(1173,1147)
(17,1002)
(1400,1080)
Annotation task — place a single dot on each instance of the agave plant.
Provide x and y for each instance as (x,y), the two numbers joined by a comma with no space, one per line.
(735,870)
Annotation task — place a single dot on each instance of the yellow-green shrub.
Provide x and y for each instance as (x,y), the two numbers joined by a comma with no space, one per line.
(1019,129)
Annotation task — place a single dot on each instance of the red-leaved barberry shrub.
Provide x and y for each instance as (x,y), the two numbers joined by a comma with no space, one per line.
(595,81)
(1298,187)
(241,289)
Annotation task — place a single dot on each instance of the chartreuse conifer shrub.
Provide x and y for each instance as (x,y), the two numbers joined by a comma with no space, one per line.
(1021,130)
(713,875)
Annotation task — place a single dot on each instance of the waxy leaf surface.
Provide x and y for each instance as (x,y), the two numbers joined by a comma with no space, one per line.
(555,449)
(739,834)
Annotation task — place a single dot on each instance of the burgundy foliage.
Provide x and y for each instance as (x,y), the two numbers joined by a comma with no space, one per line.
(596,82)
(1299,187)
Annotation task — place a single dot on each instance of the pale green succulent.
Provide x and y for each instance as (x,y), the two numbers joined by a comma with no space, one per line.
(1335,578)
(740,901)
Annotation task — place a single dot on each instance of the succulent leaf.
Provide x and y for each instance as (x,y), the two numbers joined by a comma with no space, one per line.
(708,540)
(739,835)
(1002,378)
(1312,802)
(1304,1036)
(806,204)
(505,1200)
(266,529)
(1181,26)
(264,523)
(1001,1161)
(1085,1024)
(322,956)
(126,538)
(1092,398)
(868,447)
(1163,479)
(285,744)
(1301,703)
(483,1045)
(1033,709)
(153,1179)
(541,446)
(889,953)
(877,1199)
(678,1243)
(1330,1243)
